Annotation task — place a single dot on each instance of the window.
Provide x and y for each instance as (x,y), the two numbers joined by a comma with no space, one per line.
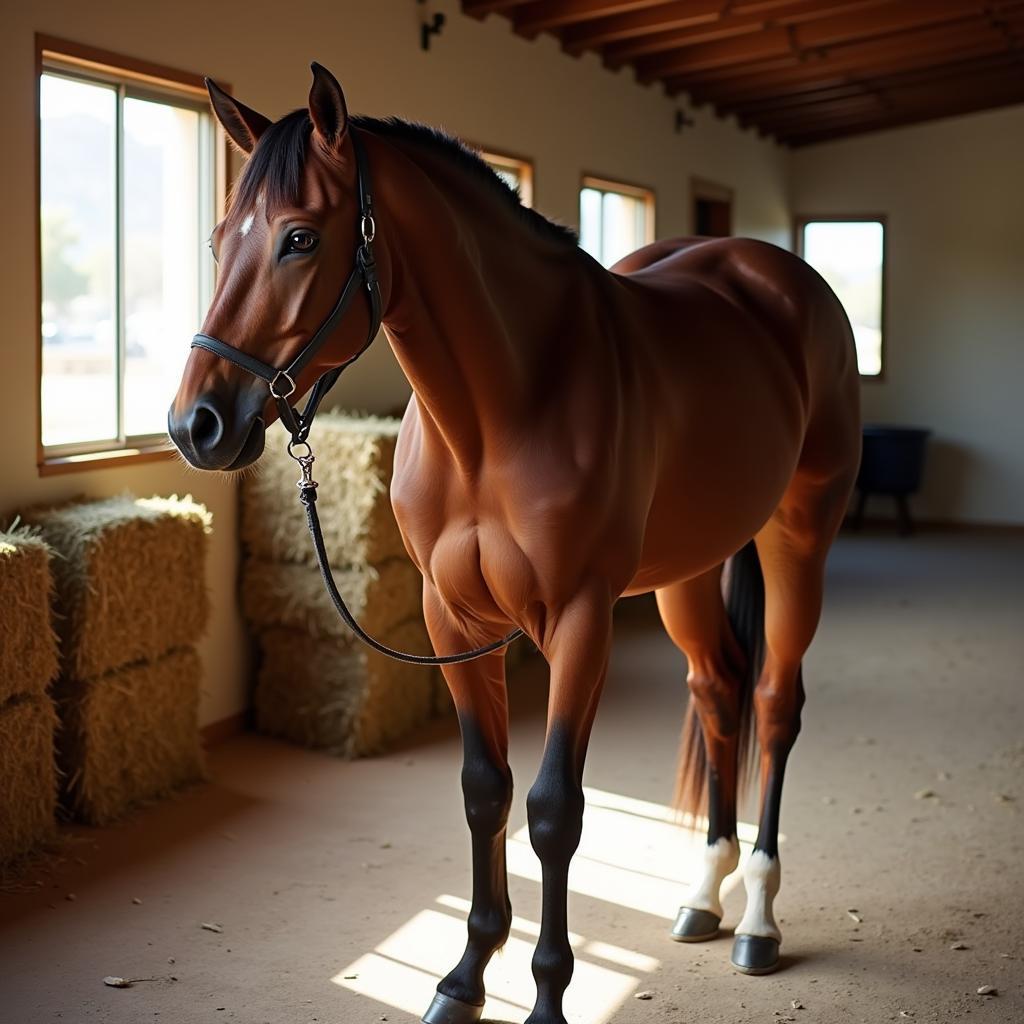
(615,219)
(514,170)
(849,252)
(126,202)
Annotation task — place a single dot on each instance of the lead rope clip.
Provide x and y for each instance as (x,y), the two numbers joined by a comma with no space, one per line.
(306,484)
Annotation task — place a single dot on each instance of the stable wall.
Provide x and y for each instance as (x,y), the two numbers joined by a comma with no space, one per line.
(953,197)
(481,81)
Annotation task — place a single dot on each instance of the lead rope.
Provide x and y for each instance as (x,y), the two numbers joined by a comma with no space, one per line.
(307,495)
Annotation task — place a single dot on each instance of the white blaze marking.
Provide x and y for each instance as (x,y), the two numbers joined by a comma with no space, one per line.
(246,225)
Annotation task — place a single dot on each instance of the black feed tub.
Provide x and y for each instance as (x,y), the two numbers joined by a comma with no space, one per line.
(891,463)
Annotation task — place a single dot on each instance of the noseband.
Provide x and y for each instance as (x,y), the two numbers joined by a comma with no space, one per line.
(282,385)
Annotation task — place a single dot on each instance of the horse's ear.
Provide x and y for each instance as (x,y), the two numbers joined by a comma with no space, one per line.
(243,124)
(327,107)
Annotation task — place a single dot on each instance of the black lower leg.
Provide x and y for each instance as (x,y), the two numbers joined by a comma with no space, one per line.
(555,811)
(487,788)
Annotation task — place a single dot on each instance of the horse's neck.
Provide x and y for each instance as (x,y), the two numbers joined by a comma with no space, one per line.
(477,301)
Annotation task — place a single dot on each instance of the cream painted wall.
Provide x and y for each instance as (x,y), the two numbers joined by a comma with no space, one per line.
(952,192)
(480,81)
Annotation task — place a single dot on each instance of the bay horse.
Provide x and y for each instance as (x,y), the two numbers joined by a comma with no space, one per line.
(575,435)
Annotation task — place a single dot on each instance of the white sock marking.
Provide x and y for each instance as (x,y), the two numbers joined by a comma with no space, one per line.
(761,878)
(720,859)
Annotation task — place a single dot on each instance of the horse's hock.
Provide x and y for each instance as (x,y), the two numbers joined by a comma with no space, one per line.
(131,603)
(317,685)
(28,664)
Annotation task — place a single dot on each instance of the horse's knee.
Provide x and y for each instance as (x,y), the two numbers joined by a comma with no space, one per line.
(487,791)
(554,810)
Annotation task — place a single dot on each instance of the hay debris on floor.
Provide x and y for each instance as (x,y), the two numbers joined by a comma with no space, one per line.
(348,700)
(294,596)
(28,781)
(130,578)
(28,644)
(354,463)
(130,736)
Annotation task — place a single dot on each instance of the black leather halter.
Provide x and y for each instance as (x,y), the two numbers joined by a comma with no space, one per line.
(282,382)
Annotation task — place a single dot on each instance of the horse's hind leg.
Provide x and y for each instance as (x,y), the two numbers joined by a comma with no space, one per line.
(478,690)
(792,547)
(695,617)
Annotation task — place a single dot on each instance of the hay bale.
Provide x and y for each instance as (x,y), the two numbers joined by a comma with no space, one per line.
(28,644)
(354,462)
(130,578)
(28,780)
(131,735)
(294,596)
(348,700)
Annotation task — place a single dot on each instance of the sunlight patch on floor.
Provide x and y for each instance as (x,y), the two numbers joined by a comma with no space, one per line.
(403,971)
(633,854)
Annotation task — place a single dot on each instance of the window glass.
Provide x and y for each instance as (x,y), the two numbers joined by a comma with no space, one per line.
(849,254)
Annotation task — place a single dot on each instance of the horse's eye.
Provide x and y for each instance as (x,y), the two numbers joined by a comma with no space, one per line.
(302,241)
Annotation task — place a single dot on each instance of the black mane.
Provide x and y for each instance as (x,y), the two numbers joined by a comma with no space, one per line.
(275,166)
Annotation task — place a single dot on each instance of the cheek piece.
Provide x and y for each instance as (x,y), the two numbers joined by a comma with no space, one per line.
(281,383)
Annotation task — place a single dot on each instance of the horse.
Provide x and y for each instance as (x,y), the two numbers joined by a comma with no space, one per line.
(685,423)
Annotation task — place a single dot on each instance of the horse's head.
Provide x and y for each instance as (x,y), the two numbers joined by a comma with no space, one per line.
(283,250)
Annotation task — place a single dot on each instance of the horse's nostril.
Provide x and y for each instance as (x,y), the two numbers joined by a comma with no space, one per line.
(206,426)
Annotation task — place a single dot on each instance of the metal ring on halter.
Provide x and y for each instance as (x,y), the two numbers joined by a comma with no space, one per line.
(368,226)
(282,394)
(293,444)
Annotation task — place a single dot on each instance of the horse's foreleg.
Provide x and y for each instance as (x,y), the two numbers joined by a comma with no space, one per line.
(478,690)
(577,646)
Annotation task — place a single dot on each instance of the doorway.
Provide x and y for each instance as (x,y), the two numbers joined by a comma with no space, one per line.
(711,208)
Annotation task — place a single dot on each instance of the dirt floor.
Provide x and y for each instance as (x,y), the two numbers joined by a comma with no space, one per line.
(295,888)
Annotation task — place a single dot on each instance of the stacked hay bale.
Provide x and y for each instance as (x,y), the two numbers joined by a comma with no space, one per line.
(28,664)
(318,685)
(132,603)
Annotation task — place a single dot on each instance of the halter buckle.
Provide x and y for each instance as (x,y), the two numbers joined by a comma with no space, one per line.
(274,390)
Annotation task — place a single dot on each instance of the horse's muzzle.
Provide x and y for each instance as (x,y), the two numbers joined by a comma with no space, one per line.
(211,436)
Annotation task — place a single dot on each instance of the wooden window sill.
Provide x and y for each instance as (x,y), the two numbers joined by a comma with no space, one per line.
(58,464)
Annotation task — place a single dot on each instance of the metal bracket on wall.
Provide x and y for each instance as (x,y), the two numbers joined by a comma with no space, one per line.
(430,24)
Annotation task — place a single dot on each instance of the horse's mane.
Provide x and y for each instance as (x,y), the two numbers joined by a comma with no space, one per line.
(274,169)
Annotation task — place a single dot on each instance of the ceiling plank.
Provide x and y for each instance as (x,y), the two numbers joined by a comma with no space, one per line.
(950,107)
(626,37)
(481,8)
(822,35)
(547,15)
(753,81)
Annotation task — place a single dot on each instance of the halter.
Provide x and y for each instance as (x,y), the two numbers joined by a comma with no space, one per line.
(282,385)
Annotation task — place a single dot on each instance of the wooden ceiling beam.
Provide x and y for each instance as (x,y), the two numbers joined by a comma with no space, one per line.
(548,15)
(804,103)
(949,106)
(891,101)
(625,38)
(829,32)
(816,70)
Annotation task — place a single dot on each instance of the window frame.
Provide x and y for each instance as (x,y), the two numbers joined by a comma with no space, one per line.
(800,221)
(625,188)
(522,165)
(133,79)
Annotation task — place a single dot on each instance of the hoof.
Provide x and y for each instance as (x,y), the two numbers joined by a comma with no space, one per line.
(445,1010)
(755,954)
(695,925)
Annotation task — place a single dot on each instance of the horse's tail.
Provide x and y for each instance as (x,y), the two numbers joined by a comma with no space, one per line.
(744,604)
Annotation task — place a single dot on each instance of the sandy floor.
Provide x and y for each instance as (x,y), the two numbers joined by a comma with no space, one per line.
(338,888)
